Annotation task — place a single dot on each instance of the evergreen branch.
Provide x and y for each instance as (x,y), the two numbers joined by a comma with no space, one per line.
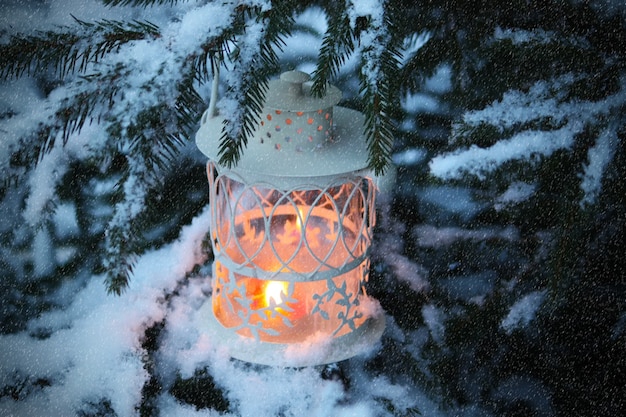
(189,104)
(249,91)
(214,52)
(26,55)
(425,62)
(337,46)
(69,118)
(379,132)
(114,34)
(155,137)
(74,112)
(118,275)
(380,65)
(123,232)
(143,3)
(66,51)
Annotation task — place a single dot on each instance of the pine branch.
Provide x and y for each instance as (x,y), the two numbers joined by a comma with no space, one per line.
(66,52)
(155,138)
(189,104)
(215,50)
(74,112)
(26,55)
(424,63)
(248,93)
(379,68)
(120,261)
(337,46)
(143,3)
(113,35)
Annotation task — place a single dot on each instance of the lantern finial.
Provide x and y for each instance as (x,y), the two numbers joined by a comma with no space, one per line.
(295,79)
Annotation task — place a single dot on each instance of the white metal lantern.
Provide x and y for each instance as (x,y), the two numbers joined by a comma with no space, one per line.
(291,229)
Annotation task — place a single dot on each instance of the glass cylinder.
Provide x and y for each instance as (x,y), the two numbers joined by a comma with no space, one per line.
(290,263)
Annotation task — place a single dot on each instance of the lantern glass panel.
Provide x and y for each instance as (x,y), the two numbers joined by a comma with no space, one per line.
(290,263)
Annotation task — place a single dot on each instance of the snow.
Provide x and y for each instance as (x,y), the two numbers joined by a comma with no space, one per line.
(523,311)
(441,81)
(517,192)
(599,156)
(434,320)
(420,103)
(544,101)
(389,248)
(197,26)
(43,183)
(479,161)
(431,236)
(447,201)
(428,98)
(65,221)
(43,258)
(410,156)
(94,347)
(518,36)
(372,9)
(94,351)
(412,44)
(373,40)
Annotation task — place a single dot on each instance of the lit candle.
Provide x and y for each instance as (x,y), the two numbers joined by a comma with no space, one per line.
(275,296)
(275,291)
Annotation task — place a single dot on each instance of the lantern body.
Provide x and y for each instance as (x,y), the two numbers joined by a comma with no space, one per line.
(290,263)
(291,230)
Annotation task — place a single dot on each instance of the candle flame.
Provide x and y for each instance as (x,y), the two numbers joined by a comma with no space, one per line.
(275,291)
(299,219)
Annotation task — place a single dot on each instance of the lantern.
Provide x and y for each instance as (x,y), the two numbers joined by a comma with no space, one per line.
(291,230)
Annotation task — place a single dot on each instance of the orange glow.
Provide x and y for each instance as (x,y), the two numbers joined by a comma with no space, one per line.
(293,230)
(299,234)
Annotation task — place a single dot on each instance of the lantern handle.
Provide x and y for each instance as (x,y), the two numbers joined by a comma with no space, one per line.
(212,110)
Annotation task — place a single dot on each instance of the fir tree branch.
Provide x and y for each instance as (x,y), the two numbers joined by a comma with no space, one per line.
(215,50)
(26,55)
(113,35)
(337,46)
(255,65)
(66,52)
(380,60)
(189,104)
(83,107)
(120,258)
(154,139)
(143,3)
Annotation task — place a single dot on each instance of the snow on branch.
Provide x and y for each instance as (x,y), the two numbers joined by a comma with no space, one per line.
(380,58)
(523,311)
(530,124)
(258,28)
(599,157)
(479,161)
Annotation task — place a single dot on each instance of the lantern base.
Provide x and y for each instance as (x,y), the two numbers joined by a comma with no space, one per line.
(313,351)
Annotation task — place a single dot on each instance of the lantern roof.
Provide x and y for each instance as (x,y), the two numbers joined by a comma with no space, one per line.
(298,136)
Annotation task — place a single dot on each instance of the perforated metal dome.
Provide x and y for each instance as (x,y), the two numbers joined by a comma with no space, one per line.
(298,136)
